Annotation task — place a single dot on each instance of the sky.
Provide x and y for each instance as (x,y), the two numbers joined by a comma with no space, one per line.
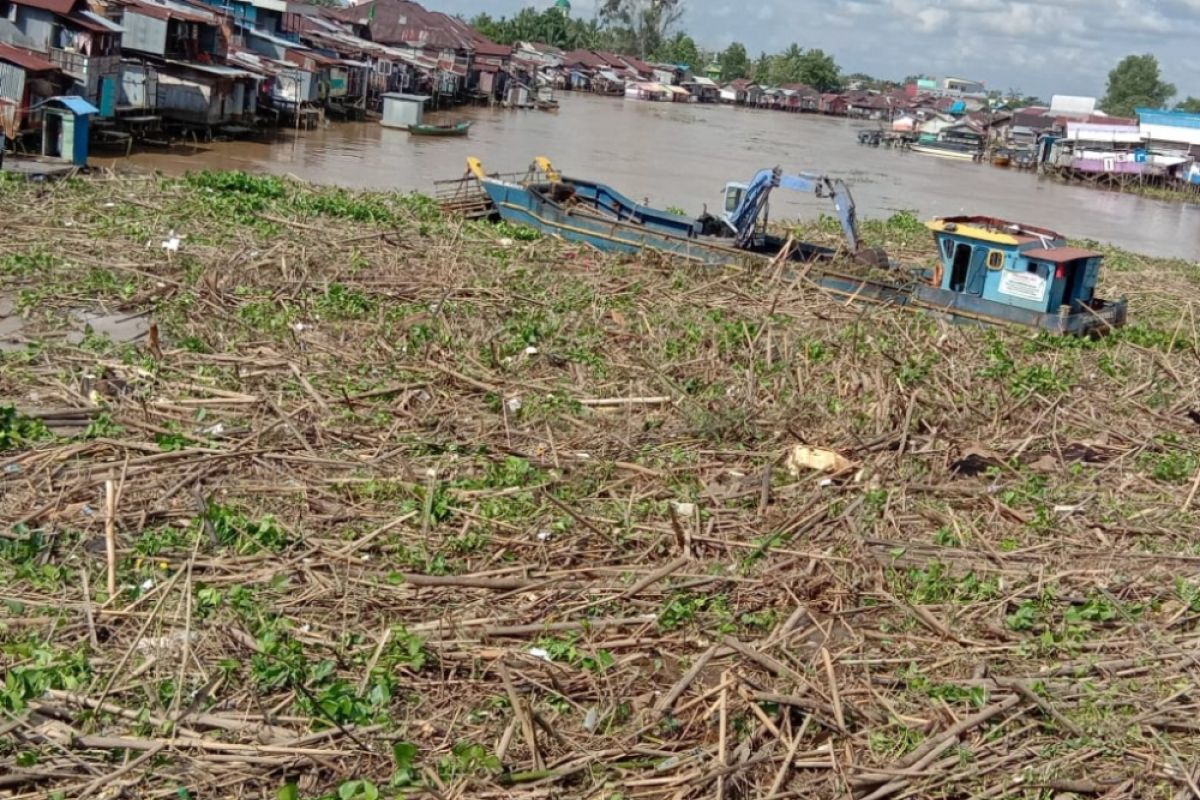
(1041,48)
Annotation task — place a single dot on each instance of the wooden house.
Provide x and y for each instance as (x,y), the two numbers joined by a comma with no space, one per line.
(85,45)
(27,80)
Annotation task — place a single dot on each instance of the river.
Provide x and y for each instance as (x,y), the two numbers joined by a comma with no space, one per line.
(682,155)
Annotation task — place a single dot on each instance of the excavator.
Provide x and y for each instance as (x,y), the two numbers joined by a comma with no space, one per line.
(747,211)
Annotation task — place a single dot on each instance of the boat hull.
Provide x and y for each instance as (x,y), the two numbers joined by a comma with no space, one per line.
(588,225)
(939,152)
(460,129)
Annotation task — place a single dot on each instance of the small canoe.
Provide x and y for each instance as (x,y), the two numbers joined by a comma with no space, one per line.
(457,129)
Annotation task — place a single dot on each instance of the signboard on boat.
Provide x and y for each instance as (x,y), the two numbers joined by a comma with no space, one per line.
(1026,285)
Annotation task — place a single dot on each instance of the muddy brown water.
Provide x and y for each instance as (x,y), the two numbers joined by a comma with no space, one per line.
(682,155)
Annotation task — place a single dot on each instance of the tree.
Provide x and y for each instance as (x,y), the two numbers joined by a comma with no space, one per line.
(820,71)
(1134,83)
(762,69)
(787,66)
(734,62)
(1190,105)
(643,24)
(681,49)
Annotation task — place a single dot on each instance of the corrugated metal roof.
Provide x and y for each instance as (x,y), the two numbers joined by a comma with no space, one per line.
(54,6)
(215,69)
(1173,119)
(102,21)
(25,59)
(155,10)
(77,105)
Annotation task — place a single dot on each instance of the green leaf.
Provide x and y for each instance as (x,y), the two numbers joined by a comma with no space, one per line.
(404,754)
(289,791)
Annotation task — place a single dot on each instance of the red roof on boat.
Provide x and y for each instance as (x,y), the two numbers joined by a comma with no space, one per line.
(1059,255)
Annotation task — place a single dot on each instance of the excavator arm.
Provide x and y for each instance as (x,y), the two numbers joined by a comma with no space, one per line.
(746,204)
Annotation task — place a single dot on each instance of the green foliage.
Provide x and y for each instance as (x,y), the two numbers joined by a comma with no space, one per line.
(518,233)
(680,50)
(814,68)
(36,261)
(1191,105)
(38,668)
(18,431)
(466,759)
(566,649)
(935,584)
(357,790)
(1135,83)
(917,681)
(234,529)
(734,62)
(551,26)
(404,760)
(640,26)
(1171,465)
(1024,617)
(340,302)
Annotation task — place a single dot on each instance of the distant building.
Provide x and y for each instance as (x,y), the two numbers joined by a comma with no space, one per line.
(963,86)
(1063,105)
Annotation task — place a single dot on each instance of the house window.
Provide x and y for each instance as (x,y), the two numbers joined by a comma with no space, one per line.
(947,247)
(8,10)
(995,259)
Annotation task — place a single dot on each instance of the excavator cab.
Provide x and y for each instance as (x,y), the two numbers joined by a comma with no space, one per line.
(733,196)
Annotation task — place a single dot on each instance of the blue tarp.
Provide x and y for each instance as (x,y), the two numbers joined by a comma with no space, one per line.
(959,107)
(77,105)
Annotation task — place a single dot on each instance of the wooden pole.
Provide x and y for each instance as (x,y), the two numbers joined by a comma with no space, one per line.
(110,535)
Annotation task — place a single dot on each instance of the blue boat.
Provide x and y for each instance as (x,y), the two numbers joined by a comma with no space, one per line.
(989,271)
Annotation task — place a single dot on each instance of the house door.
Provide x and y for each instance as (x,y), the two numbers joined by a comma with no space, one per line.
(108,95)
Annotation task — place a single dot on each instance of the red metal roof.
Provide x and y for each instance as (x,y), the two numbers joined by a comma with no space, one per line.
(54,6)
(485,47)
(25,59)
(393,22)
(1059,255)
(584,58)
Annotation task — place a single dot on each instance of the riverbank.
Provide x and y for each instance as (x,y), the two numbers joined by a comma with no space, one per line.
(664,152)
(431,506)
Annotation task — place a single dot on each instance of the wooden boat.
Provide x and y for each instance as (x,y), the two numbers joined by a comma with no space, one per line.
(1001,158)
(946,150)
(990,271)
(457,129)
(546,105)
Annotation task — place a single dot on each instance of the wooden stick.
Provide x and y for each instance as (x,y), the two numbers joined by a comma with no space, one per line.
(681,685)
(110,535)
(522,713)
(722,756)
(608,402)
(834,695)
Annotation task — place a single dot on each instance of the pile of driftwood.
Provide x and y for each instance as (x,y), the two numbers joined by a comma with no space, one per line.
(416,507)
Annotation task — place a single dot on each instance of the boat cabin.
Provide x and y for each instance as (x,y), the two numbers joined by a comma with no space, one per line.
(1017,265)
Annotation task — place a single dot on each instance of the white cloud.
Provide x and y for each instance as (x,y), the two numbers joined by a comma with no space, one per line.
(1043,47)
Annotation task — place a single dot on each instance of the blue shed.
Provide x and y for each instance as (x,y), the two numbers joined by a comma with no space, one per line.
(65,129)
